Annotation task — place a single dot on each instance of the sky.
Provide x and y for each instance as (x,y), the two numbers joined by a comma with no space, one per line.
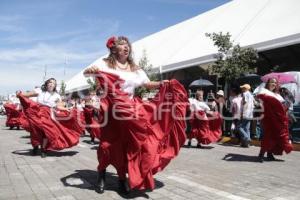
(58,38)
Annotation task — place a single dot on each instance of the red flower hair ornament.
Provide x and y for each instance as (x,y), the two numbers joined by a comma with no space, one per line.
(111,42)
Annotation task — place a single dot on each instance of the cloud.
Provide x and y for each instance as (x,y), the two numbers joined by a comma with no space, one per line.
(23,56)
(90,28)
(25,68)
(45,52)
(11,23)
(28,38)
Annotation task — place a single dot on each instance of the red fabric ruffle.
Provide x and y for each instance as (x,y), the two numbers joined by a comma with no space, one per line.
(206,128)
(61,128)
(13,115)
(275,127)
(92,124)
(25,124)
(147,140)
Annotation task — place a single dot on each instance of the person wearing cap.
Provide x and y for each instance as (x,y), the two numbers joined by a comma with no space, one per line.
(247,107)
(220,100)
(221,105)
(220,93)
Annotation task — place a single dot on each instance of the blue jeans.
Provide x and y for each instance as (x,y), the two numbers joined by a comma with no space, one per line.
(243,127)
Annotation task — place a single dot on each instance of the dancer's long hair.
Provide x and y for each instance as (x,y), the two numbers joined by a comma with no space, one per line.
(44,86)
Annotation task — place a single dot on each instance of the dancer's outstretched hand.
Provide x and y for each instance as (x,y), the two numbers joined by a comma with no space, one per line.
(91,70)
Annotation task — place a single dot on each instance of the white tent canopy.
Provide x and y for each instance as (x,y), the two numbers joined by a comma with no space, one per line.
(262,24)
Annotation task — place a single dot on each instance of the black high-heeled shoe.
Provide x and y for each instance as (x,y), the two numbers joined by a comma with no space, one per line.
(123,187)
(99,188)
(35,150)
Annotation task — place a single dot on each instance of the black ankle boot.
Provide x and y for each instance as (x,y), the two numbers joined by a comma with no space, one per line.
(260,158)
(35,150)
(43,153)
(93,141)
(189,143)
(270,157)
(100,182)
(123,187)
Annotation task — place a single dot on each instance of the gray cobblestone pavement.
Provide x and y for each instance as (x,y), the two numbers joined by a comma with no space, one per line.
(215,172)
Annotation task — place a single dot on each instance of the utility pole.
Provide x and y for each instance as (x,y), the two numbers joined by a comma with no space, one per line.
(45,73)
(65,66)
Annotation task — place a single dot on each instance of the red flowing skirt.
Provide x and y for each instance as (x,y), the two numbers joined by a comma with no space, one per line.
(92,124)
(25,124)
(275,127)
(13,115)
(141,138)
(61,128)
(206,128)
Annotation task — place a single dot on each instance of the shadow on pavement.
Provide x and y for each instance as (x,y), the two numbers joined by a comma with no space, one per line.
(25,136)
(61,153)
(240,157)
(195,147)
(90,142)
(94,147)
(12,129)
(87,179)
(28,152)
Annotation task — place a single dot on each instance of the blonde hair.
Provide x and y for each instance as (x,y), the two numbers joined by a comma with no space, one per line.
(112,57)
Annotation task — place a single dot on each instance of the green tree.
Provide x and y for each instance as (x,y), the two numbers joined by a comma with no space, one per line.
(62,90)
(147,67)
(92,83)
(232,60)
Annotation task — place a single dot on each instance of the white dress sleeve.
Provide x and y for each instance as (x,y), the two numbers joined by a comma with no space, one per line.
(58,98)
(38,90)
(143,76)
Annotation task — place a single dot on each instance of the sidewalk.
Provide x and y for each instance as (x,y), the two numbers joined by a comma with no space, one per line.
(214,172)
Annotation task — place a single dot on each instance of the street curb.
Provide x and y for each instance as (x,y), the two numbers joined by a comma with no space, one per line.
(254,142)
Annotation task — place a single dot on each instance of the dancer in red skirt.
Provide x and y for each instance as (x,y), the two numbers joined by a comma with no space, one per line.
(92,116)
(275,137)
(52,126)
(13,113)
(140,138)
(206,125)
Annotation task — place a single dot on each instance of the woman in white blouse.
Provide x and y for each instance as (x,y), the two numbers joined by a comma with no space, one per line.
(133,146)
(49,97)
(120,62)
(275,137)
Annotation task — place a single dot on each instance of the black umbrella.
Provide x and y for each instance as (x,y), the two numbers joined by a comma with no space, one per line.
(201,83)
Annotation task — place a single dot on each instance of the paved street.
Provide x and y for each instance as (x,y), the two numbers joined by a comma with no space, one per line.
(216,172)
